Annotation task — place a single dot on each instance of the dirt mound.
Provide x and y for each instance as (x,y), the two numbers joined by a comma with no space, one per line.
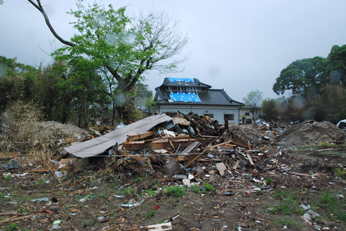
(248,133)
(48,130)
(311,132)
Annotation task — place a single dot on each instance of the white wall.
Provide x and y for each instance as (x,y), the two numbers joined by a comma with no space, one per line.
(217,111)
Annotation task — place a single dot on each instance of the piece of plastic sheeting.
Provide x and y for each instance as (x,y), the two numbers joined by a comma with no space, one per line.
(185,97)
(186,80)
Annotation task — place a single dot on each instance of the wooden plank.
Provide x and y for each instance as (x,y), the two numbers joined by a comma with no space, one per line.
(139,136)
(214,146)
(236,164)
(250,159)
(195,158)
(189,148)
(140,158)
(181,158)
(158,144)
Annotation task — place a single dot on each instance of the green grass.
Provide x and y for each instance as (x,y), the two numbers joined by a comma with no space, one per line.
(151,192)
(209,187)
(176,191)
(291,224)
(289,203)
(282,208)
(139,179)
(333,207)
(195,189)
(7,178)
(41,182)
(340,173)
(127,191)
(149,214)
(269,181)
(11,227)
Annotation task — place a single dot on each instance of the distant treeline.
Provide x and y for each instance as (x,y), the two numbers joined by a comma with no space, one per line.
(76,94)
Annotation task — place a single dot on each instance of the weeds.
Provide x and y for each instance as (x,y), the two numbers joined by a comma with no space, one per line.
(151,192)
(340,173)
(11,227)
(333,206)
(176,191)
(127,191)
(41,182)
(195,189)
(293,224)
(149,214)
(269,181)
(6,178)
(209,187)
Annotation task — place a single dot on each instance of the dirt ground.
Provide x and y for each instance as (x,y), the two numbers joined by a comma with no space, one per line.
(310,173)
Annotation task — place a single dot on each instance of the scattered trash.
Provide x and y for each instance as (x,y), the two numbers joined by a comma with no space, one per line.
(129,205)
(40,199)
(10,166)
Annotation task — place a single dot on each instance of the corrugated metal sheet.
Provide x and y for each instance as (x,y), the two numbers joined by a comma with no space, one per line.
(99,145)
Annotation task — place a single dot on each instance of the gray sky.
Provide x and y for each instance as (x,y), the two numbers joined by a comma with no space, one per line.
(235,45)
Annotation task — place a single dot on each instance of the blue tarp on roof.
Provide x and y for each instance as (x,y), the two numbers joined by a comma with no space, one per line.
(186,80)
(185,97)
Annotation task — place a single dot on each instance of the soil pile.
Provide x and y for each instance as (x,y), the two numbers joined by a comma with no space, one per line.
(311,132)
(48,130)
(248,133)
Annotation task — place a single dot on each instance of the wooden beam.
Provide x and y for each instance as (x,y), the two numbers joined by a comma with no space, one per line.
(158,144)
(139,136)
(250,159)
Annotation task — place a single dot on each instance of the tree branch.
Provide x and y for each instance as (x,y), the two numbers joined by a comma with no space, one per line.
(39,7)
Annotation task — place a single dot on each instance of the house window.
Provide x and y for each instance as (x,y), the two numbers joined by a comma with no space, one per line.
(209,115)
(229,117)
(247,113)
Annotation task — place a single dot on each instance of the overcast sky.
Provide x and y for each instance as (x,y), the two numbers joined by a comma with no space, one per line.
(235,45)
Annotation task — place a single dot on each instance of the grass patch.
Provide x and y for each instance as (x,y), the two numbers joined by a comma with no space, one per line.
(340,173)
(291,224)
(209,187)
(149,214)
(41,182)
(11,227)
(195,189)
(269,181)
(127,191)
(288,205)
(151,192)
(6,178)
(282,208)
(333,206)
(176,191)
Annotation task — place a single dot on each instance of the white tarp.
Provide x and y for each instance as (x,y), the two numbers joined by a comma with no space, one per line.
(100,144)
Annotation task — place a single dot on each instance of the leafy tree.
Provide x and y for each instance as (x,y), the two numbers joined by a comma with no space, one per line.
(124,47)
(304,76)
(253,100)
(336,68)
(330,105)
(269,109)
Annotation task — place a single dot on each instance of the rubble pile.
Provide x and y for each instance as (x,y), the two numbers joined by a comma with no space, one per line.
(161,156)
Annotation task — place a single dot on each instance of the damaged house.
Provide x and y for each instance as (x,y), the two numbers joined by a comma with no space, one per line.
(191,95)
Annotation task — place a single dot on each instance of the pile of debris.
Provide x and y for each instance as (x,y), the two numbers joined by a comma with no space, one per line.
(173,145)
